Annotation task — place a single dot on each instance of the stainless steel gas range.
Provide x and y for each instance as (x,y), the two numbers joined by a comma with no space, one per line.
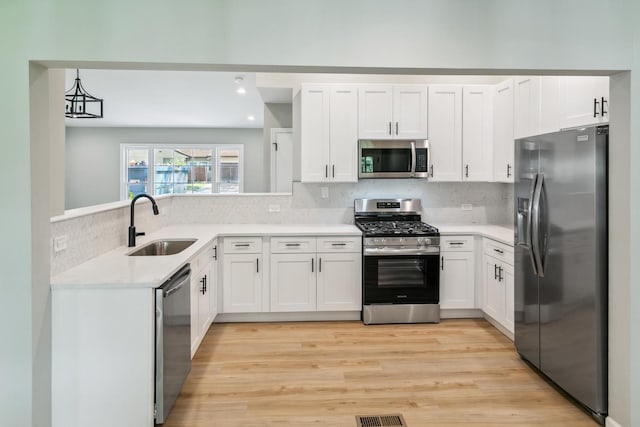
(401,260)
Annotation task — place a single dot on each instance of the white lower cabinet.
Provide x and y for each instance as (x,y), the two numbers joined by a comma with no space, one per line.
(498,301)
(242,275)
(457,273)
(203,290)
(293,282)
(339,282)
(305,280)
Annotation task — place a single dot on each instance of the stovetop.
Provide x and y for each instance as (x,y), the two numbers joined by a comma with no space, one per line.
(396,228)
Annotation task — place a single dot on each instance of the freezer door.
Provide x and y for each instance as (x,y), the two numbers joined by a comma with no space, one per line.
(572,243)
(526,315)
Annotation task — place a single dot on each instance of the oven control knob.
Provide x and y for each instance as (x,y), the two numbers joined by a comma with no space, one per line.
(420,241)
(427,241)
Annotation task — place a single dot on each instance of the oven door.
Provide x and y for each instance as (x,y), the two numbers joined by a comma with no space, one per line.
(401,279)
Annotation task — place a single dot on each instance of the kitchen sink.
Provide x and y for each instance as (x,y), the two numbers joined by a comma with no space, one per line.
(163,247)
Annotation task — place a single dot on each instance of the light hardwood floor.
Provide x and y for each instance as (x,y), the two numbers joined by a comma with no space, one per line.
(456,373)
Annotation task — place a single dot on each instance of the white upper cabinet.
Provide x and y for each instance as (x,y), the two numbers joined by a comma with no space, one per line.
(392,112)
(584,100)
(477,133)
(343,141)
(527,106)
(503,145)
(329,133)
(410,112)
(375,112)
(548,104)
(445,132)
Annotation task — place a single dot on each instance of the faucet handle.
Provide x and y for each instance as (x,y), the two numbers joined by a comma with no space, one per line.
(140,234)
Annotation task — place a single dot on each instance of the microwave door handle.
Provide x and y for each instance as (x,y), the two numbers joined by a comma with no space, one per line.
(413,158)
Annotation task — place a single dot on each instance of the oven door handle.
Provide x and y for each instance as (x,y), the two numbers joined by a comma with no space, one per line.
(400,251)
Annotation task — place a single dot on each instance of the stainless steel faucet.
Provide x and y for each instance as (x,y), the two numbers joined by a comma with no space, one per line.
(132,228)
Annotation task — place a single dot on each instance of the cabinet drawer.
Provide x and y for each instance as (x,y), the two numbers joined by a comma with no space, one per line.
(340,244)
(498,250)
(281,245)
(456,243)
(242,245)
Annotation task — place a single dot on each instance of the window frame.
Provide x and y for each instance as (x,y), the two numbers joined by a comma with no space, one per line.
(151,147)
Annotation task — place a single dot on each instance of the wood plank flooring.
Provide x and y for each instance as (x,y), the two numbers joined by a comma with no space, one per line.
(456,373)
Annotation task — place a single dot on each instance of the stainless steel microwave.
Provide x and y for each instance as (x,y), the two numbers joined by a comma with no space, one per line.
(393,158)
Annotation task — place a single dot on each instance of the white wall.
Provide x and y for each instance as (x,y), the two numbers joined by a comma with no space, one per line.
(92,157)
(444,36)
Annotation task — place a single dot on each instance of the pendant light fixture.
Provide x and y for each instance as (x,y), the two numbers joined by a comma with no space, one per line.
(80,104)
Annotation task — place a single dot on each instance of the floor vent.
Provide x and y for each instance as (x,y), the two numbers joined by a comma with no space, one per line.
(380,421)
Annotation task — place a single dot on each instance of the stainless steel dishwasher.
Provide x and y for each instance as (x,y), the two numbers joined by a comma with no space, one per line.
(173,340)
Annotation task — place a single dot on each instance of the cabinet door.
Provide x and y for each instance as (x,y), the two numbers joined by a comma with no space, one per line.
(213,283)
(457,284)
(549,105)
(375,112)
(494,295)
(195,296)
(477,133)
(339,282)
(445,132)
(581,100)
(410,112)
(293,282)
(242,283)
(204,302)
(508,284)
(314,133)
(527,106)
(503,144)
(344,134)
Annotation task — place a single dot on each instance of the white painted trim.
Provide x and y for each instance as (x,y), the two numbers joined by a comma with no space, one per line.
(499,326)
(317,316)
(610,422)
(460,313)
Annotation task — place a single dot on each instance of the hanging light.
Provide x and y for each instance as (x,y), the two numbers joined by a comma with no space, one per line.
(80,104)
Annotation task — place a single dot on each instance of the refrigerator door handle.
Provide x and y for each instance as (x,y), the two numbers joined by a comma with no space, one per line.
(535,226)
(528,234)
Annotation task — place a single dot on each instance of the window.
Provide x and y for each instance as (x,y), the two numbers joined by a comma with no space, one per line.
(179,169)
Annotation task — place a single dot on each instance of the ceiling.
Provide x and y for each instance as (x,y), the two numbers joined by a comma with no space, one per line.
(171,98)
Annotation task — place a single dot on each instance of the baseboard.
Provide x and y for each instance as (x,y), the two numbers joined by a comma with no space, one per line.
(499,326)
(460,313)
(311,316)
(610,422)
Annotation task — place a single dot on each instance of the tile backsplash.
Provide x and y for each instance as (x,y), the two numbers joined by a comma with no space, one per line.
(93,234)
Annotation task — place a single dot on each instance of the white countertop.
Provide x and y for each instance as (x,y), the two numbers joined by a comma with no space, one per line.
(115,269)
(496,232)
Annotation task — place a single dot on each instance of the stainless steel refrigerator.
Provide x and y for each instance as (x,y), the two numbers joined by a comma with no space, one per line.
(561,260)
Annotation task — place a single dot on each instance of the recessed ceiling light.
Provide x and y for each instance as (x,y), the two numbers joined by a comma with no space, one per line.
(251,118)
(238,79)
(241,90)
